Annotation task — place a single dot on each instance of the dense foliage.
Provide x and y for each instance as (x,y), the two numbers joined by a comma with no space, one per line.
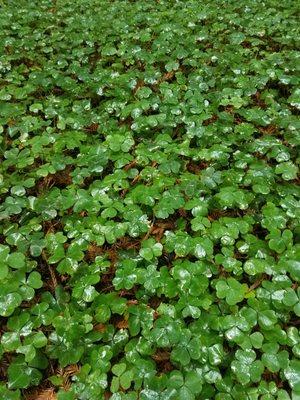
(149,200)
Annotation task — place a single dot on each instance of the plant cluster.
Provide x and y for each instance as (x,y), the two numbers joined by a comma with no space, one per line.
(149,187)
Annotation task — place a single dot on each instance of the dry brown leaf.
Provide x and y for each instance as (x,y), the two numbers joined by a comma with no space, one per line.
(42,394)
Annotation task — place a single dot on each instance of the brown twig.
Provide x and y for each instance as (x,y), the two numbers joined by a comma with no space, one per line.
(149,231)
(132,164)
(50,269)
(107,288)
(136,179)
(257,283)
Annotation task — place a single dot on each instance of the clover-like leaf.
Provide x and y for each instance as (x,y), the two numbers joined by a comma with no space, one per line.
(151,249)
(230,289)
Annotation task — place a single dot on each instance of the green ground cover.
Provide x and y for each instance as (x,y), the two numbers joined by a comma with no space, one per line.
(149,190)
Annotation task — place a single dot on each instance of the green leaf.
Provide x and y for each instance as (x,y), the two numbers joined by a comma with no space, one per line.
(292,374)
(119,369)
(184,393)
(8,303)
(215,354)
(172,65)
(256,340)
(16,260)
(20,376)
(125,380)
(288,170)
(35,280)
(39,340)
(267,319)
(3,271)
(103,313)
